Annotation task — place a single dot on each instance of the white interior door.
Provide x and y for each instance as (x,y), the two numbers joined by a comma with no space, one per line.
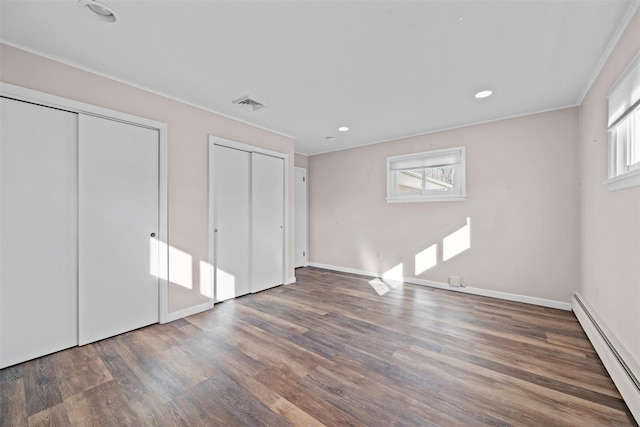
(232,221)
(38,231)
(300,217)
(267,221)
(118,218)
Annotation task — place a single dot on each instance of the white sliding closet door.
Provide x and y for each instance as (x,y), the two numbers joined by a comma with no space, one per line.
(267,221)
(38,234)
(118,208)
(232,212)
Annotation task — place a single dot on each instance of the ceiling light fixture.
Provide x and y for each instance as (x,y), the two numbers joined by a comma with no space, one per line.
(343,128)
(483,94)
(99,11)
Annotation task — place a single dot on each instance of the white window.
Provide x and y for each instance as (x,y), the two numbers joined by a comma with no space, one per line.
(624,129)
(431,176)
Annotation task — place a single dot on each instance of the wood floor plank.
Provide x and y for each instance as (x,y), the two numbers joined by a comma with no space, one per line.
(13,407)
(120,370)
(294,415)
(328,351)
(300,340)
(188,369)
(352,399)
(578,342)
(272,350)
(103,405)
(210,407)
(417,406)
(247,409)
(153,374)
(272,319)
(313,404)
(12,373)
(549,381)
(56,416)
(546,367)
(154,413)
(79,369)
(40,385)
(515,401)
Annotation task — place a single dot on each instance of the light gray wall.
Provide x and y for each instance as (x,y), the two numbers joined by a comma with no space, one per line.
(522,185)
(610,221)
(301,161)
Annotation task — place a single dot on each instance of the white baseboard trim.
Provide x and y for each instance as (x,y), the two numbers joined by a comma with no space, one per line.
(495,294)
(343,269)
(204,307)
(290,281)
(175,315)
(463,289)
(622,367)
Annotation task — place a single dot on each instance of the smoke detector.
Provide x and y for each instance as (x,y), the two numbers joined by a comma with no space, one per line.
(249,103)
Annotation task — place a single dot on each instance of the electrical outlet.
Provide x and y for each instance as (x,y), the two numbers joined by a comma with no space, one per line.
(455,281)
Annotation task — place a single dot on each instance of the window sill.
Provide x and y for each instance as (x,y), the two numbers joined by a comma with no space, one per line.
(627,180)
(414,199)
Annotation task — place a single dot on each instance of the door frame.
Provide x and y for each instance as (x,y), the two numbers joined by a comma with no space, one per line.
(306,216)
(216,140)
(45,99)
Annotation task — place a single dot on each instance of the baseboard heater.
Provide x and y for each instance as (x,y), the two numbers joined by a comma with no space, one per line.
(618,362)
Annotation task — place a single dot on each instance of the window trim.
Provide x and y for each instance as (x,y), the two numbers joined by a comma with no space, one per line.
(626,180)
(630,178)
(432,196)
(623,107)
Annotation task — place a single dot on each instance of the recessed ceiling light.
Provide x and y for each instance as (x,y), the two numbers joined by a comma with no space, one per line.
(483,94)
(343,128)
(99,11)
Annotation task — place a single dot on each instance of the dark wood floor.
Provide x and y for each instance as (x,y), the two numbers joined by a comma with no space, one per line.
(328,350)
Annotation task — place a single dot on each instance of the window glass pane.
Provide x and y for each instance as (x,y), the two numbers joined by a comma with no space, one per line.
(633,139)
(440,179)
(409,181)
(619,135)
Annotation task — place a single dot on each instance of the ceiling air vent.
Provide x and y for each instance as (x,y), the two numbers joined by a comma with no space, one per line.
(249,104)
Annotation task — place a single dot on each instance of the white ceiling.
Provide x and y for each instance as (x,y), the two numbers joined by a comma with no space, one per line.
(386,69)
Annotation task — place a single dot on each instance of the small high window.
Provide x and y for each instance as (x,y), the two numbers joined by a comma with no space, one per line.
(624,129)
(430,176)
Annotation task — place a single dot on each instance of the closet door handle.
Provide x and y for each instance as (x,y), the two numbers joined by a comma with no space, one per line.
(153,234)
